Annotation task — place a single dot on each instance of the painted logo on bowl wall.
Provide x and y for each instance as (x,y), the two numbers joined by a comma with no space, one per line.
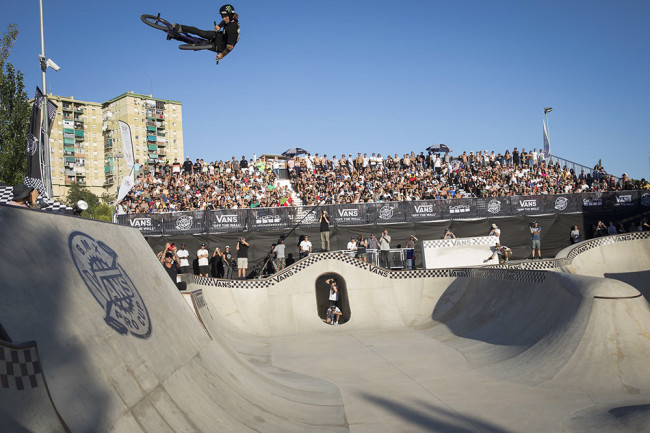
(123,308)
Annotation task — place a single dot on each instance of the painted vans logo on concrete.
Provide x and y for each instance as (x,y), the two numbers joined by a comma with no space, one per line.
(97,264)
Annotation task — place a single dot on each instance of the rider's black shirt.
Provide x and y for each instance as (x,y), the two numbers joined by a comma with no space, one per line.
(230,33)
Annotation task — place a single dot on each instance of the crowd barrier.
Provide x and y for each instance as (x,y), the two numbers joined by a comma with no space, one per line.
(239,220)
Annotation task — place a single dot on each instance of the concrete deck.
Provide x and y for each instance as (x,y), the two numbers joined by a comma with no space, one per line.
(564,348)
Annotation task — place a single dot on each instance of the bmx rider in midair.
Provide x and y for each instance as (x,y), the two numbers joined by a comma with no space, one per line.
(225,34)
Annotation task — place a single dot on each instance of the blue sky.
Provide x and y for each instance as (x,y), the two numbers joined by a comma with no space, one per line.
(368,76)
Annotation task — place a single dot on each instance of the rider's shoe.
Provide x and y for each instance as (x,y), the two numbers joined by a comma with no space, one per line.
(175,30)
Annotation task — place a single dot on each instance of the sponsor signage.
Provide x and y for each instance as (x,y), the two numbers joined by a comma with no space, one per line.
(269,218)
(422,211)
(348,215)
(228,220)
(526,204)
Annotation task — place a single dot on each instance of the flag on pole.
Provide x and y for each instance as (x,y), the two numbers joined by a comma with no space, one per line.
(547,142)
(127,151)
(35,140)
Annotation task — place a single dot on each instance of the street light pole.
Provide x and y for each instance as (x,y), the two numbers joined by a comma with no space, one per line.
(47,164)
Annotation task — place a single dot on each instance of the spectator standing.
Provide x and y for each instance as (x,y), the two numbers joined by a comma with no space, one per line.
(495,231)
(242,257)
(187,166)
(324,231)
(535,239)
(280,260)
(575,235)
(449,234)
(362,249)
(184,256)
(384,246)
(170,262)
(352,247)
(373,243)
(305,247)
(217,263)
(204,261)
(611,228)
(410,252)
(228,263)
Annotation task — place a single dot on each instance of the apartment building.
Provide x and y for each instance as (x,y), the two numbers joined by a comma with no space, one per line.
(86,144)
(156,133)
(77,146)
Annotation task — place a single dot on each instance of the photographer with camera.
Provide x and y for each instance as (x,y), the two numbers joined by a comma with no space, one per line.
(242,257)
(171,262)
(502,252)
(324,231)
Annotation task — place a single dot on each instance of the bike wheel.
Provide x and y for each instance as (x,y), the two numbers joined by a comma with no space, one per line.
(156,22)
(198,46)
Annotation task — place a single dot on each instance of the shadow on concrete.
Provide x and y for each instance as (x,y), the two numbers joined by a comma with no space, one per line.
(504,313)
(432,418)
(639,280)
(33,307)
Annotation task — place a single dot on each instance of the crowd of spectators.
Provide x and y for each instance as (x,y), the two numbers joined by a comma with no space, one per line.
(174,187)
(254,183)
(363,178)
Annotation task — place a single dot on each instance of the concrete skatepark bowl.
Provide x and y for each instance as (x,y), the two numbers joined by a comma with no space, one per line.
(96,338)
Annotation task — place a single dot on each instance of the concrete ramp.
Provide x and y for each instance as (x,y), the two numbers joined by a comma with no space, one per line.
(451,350)
(624,257)
(555,343)
(122,350)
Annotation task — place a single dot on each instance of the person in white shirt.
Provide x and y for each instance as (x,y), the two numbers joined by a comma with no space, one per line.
(495,231)
(280,260)
(204,261)
(384,247)
(184,255)
(352,247)
(305,247)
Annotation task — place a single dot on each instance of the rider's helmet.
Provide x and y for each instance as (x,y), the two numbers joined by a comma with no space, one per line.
(227,10)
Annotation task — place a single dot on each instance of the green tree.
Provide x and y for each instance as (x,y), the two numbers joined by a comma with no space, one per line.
(14,115)
(97,209)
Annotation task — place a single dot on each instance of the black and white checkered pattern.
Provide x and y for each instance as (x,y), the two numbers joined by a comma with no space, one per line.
(446,243)
(533,271)
(7,194)
(605,240)
(528,274)
(20,367)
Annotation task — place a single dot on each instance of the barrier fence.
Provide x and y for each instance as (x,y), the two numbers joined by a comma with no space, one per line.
(239,220)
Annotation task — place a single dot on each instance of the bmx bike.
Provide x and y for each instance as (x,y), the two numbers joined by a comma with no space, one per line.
(192,42)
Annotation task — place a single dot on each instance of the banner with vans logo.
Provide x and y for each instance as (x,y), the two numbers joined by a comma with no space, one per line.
(227,220)
(234,220)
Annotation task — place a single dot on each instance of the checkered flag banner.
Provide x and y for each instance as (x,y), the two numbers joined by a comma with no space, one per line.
(35,149)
